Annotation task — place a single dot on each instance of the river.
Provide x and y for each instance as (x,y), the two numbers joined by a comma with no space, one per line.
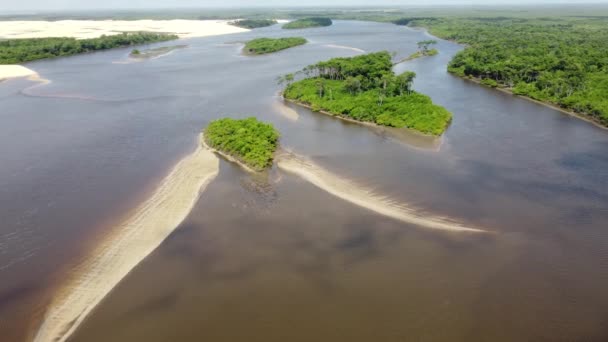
(274,258)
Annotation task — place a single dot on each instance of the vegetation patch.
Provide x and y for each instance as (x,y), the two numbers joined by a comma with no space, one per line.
(14,51)
(253,23)
(155,52)
(308,22)
(268,45)
(248,140)
(364,88)
(562,61)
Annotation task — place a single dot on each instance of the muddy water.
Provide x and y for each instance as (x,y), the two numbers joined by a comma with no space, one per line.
(276,258)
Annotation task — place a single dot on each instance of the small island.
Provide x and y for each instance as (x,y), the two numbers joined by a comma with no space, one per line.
(14,51)
(249,142)
(308,23)
(262,46)
(253,23)
(365,89)
(155,52)
(423,51)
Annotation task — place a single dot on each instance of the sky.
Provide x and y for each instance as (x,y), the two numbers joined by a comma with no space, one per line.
(12,5)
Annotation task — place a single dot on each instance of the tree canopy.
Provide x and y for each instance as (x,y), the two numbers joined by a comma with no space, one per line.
(365,88)
(253,23)
(308,22)
(261,46)
(251,141)
(15,51)
(563,61)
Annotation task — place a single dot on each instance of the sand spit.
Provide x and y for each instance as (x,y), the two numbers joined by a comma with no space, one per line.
(14,71)
(82,29)
(228,157)
(282,108)
(351,192)
(129,244)
(345,48)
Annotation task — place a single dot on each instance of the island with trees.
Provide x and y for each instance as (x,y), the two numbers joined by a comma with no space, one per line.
(262,46)
(558,61)
(155,52)
(423,51)
(253,23)
(365,88)
(308,23)
(14,51)
(249,142)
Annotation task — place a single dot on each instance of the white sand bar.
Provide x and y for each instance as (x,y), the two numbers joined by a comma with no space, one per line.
(94,28)
(128,244)
(12,71)
(351,192)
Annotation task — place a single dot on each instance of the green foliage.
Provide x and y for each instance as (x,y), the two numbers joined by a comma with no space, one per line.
(15,51)
(249,140)
(135,52)
(365,88)
(267,45)
(308,22)
(253,23)
(489,82)
(563,61)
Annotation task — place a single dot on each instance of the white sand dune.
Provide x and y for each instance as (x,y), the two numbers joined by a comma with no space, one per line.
(94,28)
(14,71)
(334,46)
(351,192)
(129,244)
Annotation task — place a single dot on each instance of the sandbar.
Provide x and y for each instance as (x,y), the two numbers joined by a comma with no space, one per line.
(349,191)
(128,244)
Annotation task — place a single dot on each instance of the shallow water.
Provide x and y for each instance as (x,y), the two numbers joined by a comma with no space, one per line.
(278,259)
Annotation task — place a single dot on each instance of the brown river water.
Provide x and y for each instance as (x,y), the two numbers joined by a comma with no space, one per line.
(273,257)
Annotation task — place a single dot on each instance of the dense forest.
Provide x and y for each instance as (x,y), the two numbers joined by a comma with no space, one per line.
(251,141)
(261,46)
(365,88)
(253,23)
(560,61)
(15,51)
(308,22)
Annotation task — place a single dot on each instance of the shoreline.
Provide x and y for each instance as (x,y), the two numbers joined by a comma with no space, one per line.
(129,242)
(364,123)
(349,191)
(229,157)
(553,106)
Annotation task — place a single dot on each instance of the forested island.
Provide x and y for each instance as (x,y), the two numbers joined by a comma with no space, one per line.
(253,23)
(308,23)
(365,88)
(155,52)
(249,141)
(262,46)
(423,51)
(14,51)
(561,61)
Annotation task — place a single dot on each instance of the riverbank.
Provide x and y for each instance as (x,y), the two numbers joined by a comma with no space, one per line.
(130,242)
(228,157)
(348,119)
(553,106)
(365,198)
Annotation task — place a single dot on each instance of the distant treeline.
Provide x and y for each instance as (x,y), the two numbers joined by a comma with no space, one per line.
(556,60)
(253,23)
(15,51)
(308,22)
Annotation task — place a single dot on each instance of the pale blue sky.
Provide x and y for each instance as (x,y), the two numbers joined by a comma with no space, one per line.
(11,5)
